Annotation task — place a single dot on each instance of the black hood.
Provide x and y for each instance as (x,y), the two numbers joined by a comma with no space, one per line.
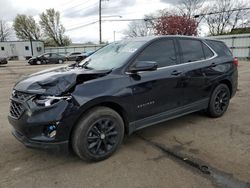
(57,81)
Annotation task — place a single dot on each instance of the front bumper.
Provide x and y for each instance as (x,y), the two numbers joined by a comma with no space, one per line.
(57,146)
(30,127)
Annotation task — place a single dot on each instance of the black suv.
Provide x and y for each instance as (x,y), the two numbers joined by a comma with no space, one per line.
(123,87)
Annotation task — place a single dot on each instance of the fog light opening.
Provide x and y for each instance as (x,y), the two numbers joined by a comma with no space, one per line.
(51,130)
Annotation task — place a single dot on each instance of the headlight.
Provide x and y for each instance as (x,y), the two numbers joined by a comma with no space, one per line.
(49,100)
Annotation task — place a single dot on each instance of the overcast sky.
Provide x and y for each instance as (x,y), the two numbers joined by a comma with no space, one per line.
(76,13)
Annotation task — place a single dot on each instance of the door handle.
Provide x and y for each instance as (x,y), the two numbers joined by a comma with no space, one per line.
(176,73)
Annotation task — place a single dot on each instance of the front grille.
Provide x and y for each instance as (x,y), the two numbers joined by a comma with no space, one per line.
(16,109)
(21,96)
(16,104)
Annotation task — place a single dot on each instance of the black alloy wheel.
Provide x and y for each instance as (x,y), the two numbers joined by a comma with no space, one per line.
(102,136)
(98,134)
(219,101)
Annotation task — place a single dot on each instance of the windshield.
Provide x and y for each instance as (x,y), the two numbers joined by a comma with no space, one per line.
(112,56)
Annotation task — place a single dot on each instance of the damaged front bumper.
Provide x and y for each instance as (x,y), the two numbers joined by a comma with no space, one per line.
(46,127)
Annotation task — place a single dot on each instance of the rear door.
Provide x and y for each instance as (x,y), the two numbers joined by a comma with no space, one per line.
(54,58)
(197,59)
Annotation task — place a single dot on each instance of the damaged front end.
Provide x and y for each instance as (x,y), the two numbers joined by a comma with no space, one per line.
(42,109)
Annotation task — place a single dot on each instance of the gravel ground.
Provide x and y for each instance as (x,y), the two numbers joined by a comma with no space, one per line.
(191,151)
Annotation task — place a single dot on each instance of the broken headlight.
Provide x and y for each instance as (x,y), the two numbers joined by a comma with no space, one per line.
(50,100)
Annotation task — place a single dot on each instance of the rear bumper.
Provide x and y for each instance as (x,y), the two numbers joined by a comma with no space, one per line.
(56,146)
(234,82)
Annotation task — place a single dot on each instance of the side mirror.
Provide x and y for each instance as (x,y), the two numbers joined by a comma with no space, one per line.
(144,66)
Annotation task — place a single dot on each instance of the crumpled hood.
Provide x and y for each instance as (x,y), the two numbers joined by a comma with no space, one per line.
(57,80)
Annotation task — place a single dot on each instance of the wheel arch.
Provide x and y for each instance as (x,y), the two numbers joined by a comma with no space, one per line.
(110,104)
(229,85)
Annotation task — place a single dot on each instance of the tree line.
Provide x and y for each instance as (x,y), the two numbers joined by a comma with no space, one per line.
(49,28)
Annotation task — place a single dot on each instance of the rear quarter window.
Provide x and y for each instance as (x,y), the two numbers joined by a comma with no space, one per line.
(207,51)
(219,47)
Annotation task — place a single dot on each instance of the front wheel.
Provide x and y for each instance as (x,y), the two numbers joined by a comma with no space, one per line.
(39,62)
(60,61)
(98,134)
(219,101)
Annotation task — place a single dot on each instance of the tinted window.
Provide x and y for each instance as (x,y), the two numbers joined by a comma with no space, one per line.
(219,47)
(162,52)
(76,53)
(54,55)
(208,53)
(191,50)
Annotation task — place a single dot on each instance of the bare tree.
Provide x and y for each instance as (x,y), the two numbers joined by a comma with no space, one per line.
(191,8)
(139,28)
(26,27)
(5,31)
(225,15)
(53,29)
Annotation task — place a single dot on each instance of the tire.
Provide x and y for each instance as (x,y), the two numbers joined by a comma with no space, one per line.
(60,61)
(219,101)
(38,62)
(98,134)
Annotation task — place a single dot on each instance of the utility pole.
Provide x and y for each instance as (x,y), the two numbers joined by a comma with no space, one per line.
(31,47)
(100,21)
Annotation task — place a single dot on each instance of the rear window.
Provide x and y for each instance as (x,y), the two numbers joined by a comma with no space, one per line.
(219,47)
(192,50)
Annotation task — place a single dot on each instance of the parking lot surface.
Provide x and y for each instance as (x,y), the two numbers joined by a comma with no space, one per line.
(191,151)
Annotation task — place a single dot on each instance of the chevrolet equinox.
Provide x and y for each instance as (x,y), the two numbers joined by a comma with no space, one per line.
(123,87)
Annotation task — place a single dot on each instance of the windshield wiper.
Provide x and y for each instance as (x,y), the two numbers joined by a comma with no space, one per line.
(85,65)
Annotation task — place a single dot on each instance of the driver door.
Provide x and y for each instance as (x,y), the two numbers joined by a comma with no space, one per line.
(159,91)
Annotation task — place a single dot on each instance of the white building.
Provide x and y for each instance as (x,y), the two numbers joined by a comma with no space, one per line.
(238,43)
(21,49)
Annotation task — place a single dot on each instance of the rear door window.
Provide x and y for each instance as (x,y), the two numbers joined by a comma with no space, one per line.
(191,50)
(162,52)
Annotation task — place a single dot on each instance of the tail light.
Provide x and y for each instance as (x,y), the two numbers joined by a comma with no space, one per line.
(236,62)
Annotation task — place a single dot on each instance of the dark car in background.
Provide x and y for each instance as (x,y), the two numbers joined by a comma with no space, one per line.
(3,61)
(47,58)
(73,56)
(121,88)
(83,56)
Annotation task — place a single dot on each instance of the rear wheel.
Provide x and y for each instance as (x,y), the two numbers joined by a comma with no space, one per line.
(38,62)
(60,61)
(98,134)
(219,101)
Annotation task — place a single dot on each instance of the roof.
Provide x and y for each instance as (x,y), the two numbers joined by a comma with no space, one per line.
(148,38)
